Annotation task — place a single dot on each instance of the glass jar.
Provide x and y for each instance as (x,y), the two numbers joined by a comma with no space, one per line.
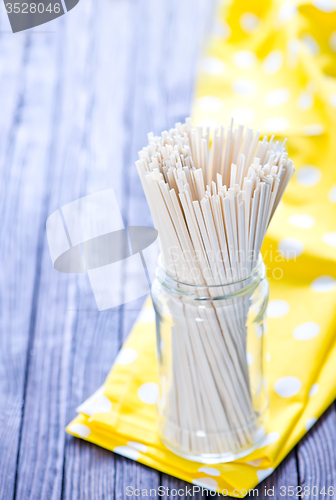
(213,399)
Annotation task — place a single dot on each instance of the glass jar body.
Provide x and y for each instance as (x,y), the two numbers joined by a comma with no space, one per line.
(210,350)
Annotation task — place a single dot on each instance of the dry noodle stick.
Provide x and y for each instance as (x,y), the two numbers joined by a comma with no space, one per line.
(237,144)
(213,238)
(205,238)
(228,388)
(211,206)
(216,211)
(205,374)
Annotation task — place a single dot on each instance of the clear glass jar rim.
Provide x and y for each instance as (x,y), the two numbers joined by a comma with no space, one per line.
(258,268)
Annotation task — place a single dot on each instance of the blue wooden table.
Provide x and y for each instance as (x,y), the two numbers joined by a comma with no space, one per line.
(78,97)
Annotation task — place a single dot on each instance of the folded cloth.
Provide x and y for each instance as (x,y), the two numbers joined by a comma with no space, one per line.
(121,415)
(271,65)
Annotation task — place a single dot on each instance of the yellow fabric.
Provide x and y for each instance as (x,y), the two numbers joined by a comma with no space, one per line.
(272,65)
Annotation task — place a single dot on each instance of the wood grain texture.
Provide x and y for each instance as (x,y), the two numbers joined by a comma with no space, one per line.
(23,193)
(76,106)
(317,458)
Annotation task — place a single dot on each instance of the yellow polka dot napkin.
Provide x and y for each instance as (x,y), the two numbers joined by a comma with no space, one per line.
(272,66)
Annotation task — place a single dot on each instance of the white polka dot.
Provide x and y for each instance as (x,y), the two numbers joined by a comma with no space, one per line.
(276,124)
(286,387)
(221,29)
(258,331)
(306,331)
(268,357)
(277,97)
(329,239)
(126,356)
(263,473)
(286,12)
(273,62)
(313,129)
(249,22)
(82,430)
(325,5)
(244,86)
(128,452)
(255,463)
(97,403)
(332,100)
(323,284)
(291,248)
(249,358)
(243,115)
(312,86)
(270,438)
(332,41)
(147,315)
(294,47)
(311,44)
(148,393)
(244,59)
(310,422)
(332,194)
(303,221)
(313,390)
(210,471)
(200,434)
(305,101)
(101,404)
(277,308)
(308,176)
(137,446)
(206,482)
(213,66)
(210,104)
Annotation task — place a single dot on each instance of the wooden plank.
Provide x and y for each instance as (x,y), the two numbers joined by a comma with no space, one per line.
(136,476)
(170,483)
(317,458)
(22,197)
